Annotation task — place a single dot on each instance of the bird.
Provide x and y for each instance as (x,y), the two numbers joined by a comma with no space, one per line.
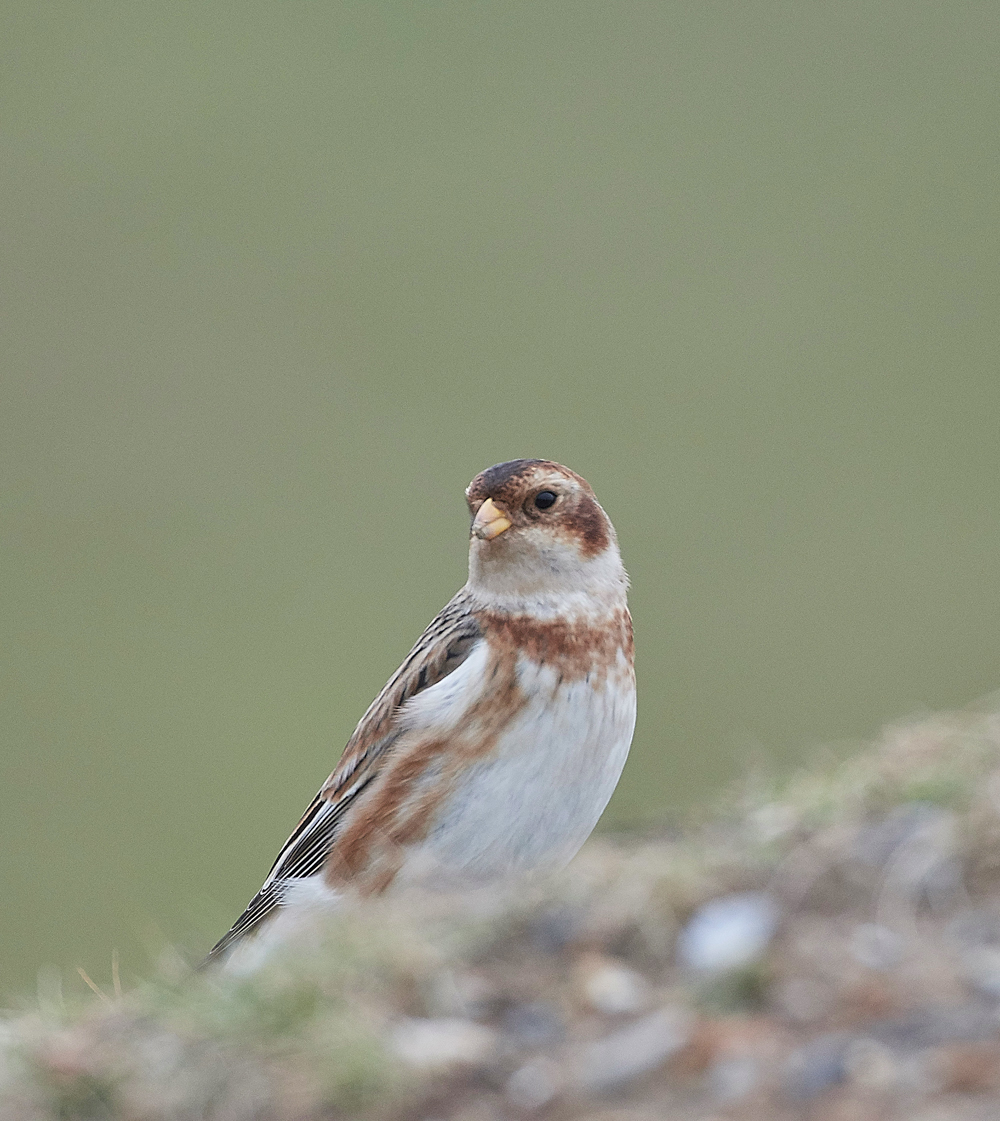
(493,750)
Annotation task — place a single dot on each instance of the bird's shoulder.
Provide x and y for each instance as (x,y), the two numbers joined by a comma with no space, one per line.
(445,644)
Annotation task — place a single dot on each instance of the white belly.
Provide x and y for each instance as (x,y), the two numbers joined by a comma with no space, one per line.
(534,801)
(527,807)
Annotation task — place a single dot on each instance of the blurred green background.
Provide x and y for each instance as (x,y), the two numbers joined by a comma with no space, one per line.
(278,279)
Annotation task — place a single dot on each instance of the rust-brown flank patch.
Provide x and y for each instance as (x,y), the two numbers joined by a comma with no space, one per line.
(416,777)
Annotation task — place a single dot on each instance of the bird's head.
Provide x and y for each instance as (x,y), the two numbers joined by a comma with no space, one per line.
(539,538)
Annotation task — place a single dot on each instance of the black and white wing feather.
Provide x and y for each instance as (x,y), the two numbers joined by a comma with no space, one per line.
(442,648)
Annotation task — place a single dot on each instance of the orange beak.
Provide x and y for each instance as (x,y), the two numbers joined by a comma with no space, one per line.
(489,522)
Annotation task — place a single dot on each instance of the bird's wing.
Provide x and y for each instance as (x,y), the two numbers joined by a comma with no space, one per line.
(442,648)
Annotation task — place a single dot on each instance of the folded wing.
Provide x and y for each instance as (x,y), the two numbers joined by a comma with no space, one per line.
(441,649)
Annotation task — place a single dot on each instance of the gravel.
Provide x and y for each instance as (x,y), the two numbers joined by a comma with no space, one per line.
(824,949)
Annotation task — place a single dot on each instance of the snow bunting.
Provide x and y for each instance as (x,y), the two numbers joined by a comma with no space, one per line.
(495,746)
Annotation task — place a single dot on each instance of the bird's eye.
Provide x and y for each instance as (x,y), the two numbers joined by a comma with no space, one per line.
(545,498)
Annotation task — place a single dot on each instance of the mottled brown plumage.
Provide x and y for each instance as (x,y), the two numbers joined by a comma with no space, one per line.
(522,683)
(512,486)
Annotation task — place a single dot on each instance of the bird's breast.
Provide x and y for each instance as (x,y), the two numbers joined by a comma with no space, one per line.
(531,800)
(576,648)
(504,766)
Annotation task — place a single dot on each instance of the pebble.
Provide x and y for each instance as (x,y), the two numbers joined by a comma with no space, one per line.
(611,987)
(728,933)
(534,1024)
(876,843)
(439,1044)
(971,1068)
(775,820)
(535,1084)
(555,928)
(632,1051)
(976,936)
(818,1065)
(930,1026)
(875,946)
(461,995)
(733,1078)
(803,999)
(871,1065)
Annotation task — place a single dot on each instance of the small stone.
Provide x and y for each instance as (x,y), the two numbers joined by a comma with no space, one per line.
(728,933)
(535,1084)
(976,935)
(803,999)
(773,821)
(916,822)
(816,1066)
(555,928)
(442,1043)
(866,1000)
(930,1026)
(533,1025)
(459,995)
(631,1051)
(611,987)
(870,1065)
(627,1114)
(68,1053)
(481,1107)
(734,1078)
(875,946)
(969,1068)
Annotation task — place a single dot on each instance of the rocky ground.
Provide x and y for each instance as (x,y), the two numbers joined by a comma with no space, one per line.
(826,948)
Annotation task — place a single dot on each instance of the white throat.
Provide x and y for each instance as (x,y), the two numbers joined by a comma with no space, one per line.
(546,579)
